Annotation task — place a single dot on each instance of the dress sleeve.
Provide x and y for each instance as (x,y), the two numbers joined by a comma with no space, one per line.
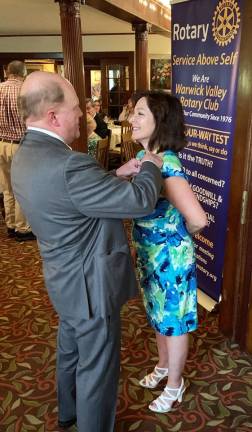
(172,166)
(140,154)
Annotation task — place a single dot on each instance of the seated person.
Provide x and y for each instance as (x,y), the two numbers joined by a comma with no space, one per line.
(98,109)
(101,126)
(93,138)
(128,110)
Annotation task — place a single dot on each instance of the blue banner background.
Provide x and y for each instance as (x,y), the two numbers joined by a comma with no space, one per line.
(205,59)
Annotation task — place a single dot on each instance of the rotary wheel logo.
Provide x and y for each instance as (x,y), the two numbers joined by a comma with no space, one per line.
(226,22)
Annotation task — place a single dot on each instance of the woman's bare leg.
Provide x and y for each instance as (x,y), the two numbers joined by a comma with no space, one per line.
(162,351)
(177,347)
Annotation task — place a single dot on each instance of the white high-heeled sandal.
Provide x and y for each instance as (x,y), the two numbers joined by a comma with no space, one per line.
(151,380)
(167,398)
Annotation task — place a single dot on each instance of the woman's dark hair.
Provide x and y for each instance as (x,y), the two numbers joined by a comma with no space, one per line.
(134,98)
(169,133)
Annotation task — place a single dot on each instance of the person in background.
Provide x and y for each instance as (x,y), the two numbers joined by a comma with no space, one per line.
(93,138)
(76,210)
(115,98)
(101,126)
(164,245)
(11,132)
(98,108)
(128,110)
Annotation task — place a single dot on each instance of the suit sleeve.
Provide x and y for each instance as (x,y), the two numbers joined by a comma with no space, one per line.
(99,194)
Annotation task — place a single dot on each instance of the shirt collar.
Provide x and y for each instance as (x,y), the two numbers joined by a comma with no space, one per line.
(50,133)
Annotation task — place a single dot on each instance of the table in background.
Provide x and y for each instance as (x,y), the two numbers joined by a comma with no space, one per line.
(114,150)
(115,138)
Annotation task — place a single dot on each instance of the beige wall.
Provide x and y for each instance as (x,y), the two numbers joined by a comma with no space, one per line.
(30,44)
(158,45)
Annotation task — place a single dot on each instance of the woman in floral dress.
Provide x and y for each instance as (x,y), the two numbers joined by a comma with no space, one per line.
(164,245)
(92,137)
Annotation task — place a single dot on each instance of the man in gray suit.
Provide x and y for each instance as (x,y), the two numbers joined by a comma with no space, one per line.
(75,208)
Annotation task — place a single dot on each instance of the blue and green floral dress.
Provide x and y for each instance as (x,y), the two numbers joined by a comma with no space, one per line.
(166,262)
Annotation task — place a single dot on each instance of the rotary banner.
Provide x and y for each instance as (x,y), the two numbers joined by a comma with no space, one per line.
(205,61)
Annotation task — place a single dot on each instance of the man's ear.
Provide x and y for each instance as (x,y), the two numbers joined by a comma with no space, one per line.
(52,118)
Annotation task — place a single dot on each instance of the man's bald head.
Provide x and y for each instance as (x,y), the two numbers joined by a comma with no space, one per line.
(40,91)
(48,101)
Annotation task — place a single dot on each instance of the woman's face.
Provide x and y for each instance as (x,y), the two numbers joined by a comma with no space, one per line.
(97,106)
(143,123)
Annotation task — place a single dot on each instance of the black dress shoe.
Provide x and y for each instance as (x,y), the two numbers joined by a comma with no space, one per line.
(67,424)
(20,237)
(11,232)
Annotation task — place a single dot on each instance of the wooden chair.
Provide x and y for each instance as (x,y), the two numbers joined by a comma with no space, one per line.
(126,127)
(102,151)
(129,149)
(126,136)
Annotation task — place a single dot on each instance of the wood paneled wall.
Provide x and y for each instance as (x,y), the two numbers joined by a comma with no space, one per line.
(234,308)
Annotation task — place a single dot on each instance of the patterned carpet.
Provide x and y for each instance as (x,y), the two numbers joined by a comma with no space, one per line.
(219,376)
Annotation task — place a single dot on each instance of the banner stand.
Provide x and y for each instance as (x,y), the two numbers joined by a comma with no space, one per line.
(205,61)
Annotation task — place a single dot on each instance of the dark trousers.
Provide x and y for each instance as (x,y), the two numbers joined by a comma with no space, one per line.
(88,365)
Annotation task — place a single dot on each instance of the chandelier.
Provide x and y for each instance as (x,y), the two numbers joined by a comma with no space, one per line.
(165,3)
(152,4)
(163,6)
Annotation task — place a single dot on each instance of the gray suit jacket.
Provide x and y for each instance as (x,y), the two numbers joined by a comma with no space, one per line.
(75,208)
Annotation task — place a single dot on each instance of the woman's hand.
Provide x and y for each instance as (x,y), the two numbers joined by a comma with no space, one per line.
(129,169)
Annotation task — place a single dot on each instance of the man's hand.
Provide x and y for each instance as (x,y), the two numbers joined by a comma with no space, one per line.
(153,158)
(129,169)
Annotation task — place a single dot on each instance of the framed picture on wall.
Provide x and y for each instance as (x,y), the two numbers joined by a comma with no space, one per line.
(160,74)
(39,65)
(95,76)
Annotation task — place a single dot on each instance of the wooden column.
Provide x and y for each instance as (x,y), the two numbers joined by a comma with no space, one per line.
(73,59)
(141,49)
